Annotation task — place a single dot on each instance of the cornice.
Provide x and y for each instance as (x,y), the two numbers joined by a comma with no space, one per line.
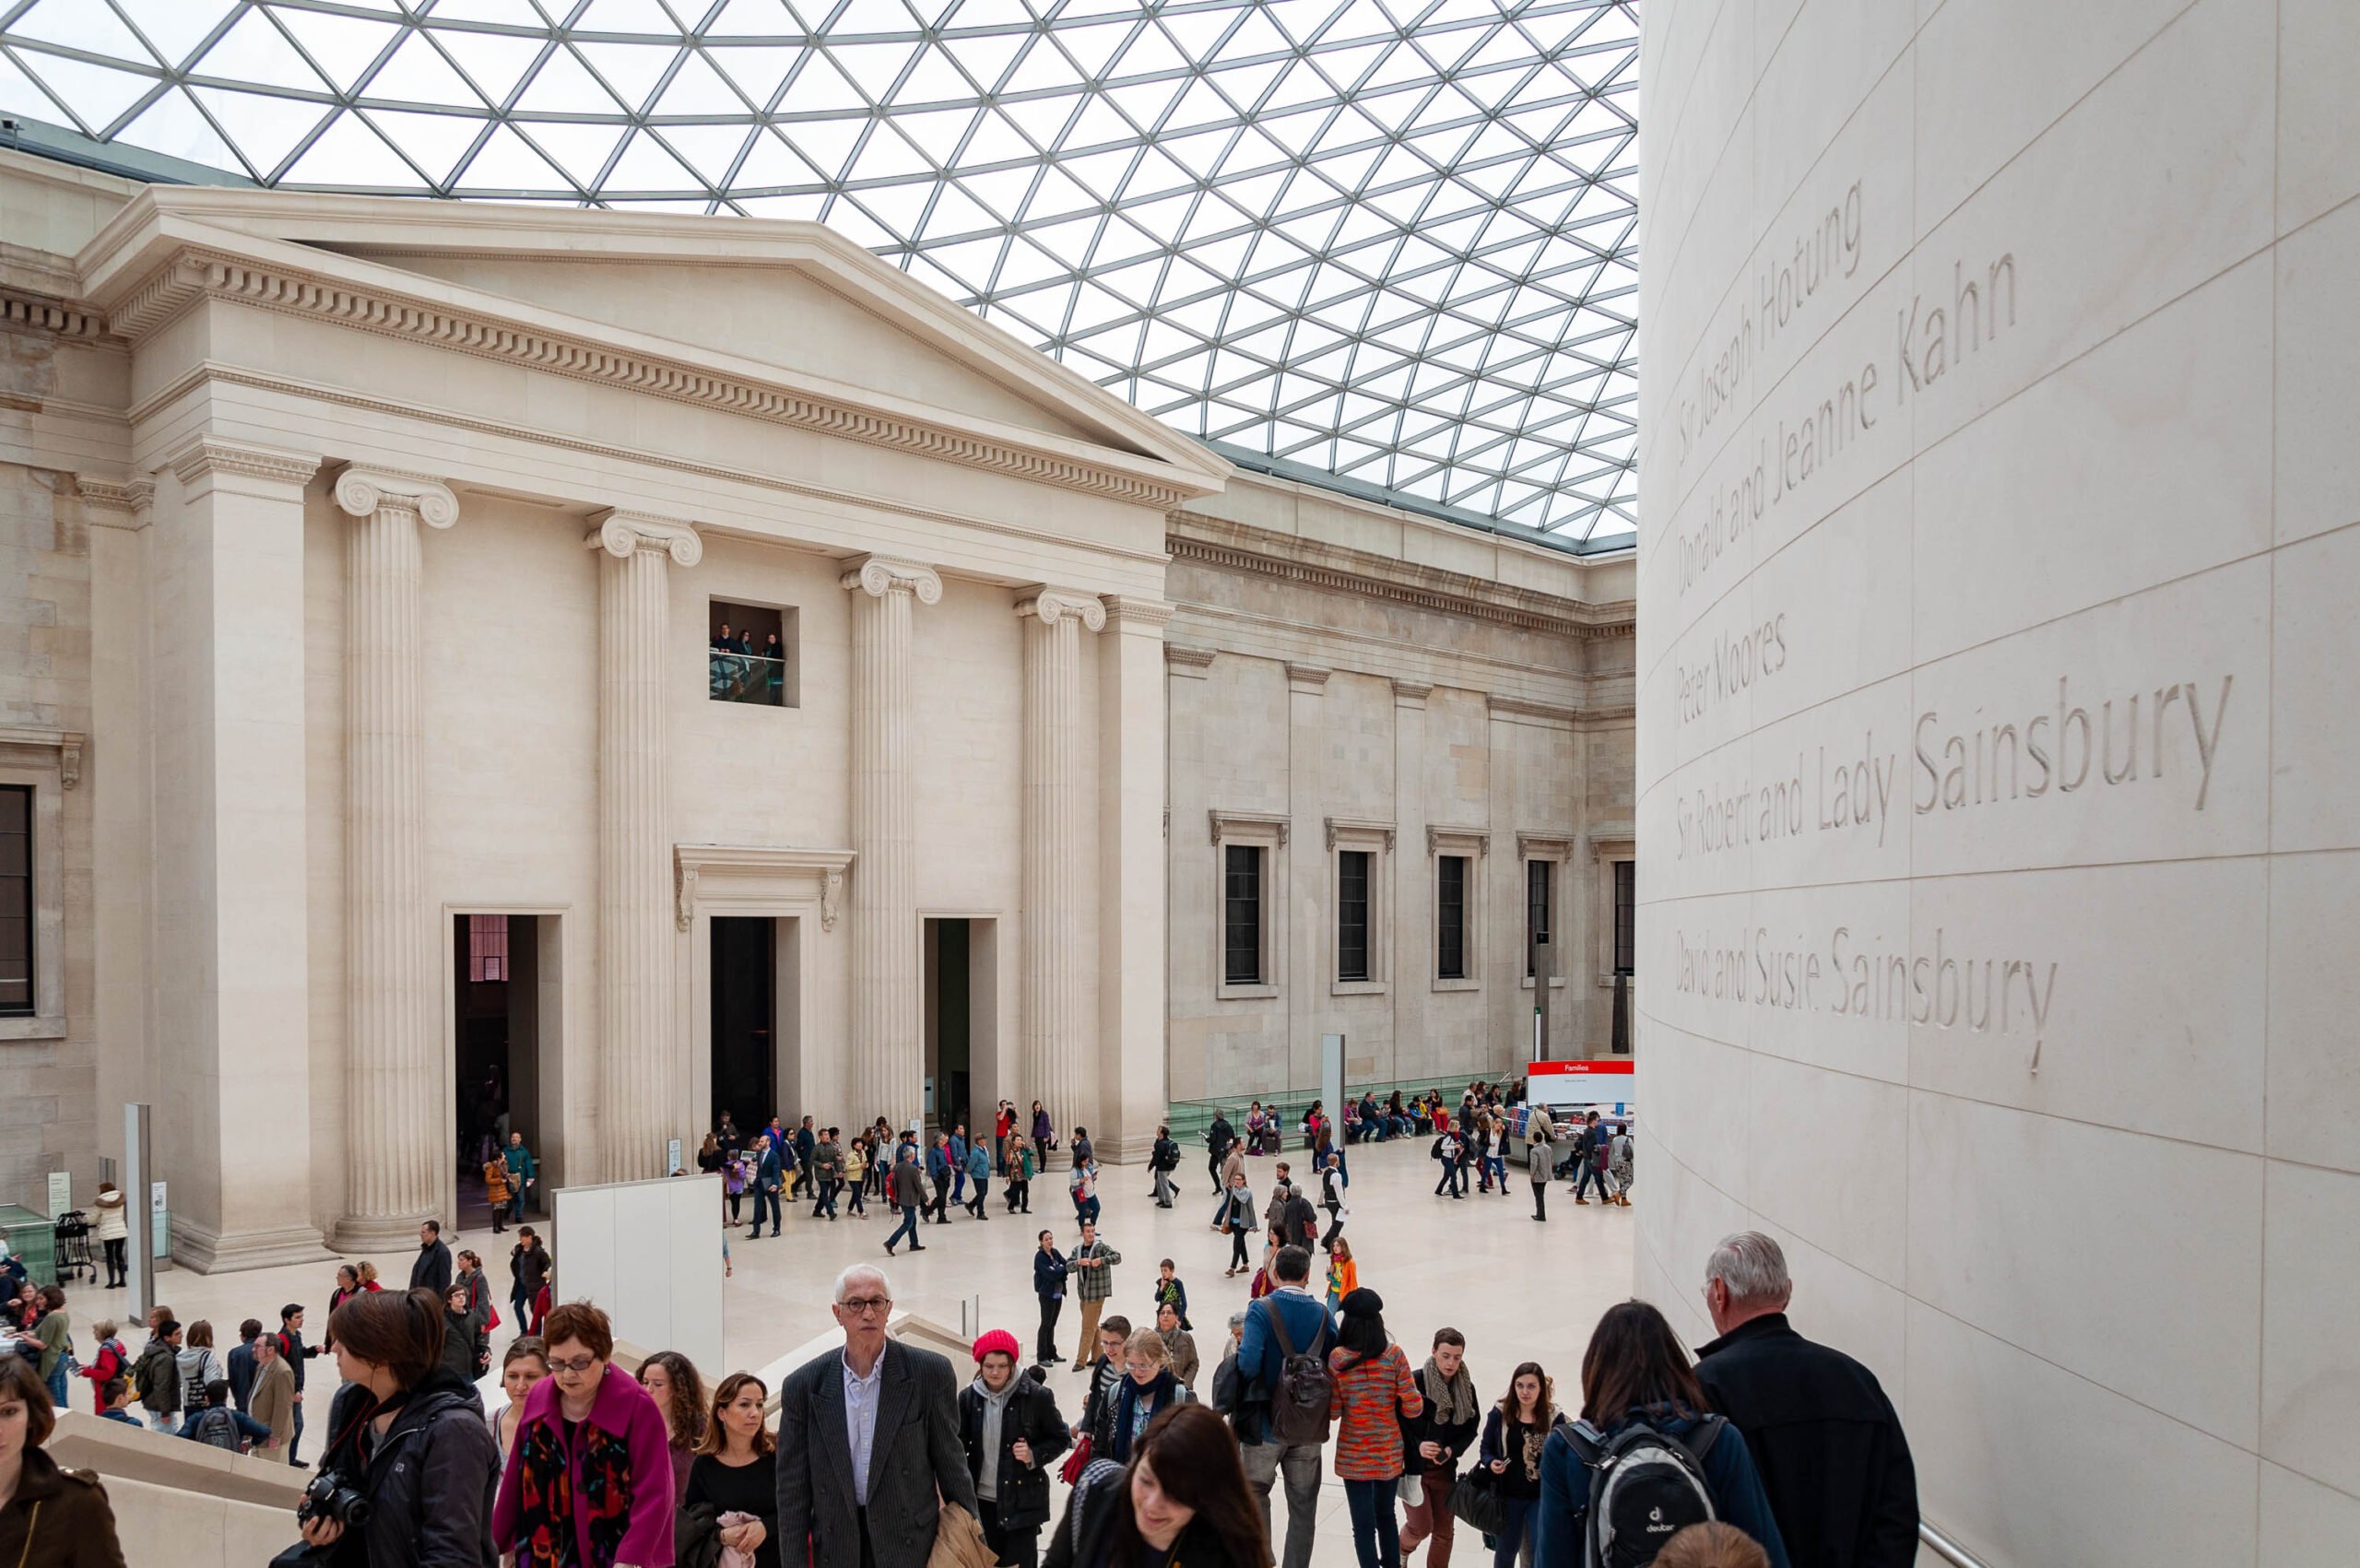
(1439,835)
(362,491)
(1363,829)
(1051,605)
(108,502)
(1411,693)
(1240,547)
(825,868)
(203,454)
(197,274)
(37,313)
(623,533)
(1126,610)
(879,575)
(1606,718)
(1308,679)
(1551,845)
(1216,820)
(66,743)
(1524,708)
(1182,656)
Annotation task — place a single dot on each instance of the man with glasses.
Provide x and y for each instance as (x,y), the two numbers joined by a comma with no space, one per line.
(869,1441)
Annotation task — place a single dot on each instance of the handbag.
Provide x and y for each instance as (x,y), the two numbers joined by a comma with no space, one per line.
(1475,1499)
(1077,1461)
(958,1541)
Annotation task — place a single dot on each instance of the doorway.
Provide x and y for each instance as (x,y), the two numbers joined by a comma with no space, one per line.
(504,1006)
(745,1010)
(961,1020)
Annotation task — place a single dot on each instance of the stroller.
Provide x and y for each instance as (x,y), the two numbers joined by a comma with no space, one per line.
(72,1245)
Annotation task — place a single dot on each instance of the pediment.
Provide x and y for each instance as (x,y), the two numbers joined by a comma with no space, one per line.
(774,305)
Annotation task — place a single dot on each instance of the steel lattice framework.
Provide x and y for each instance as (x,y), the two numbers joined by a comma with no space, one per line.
(1394,240)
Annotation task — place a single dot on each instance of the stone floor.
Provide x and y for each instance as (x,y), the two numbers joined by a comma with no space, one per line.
(1518,1291)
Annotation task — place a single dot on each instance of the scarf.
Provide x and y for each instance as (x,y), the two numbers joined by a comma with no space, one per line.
(995,1410)
(1450,1401)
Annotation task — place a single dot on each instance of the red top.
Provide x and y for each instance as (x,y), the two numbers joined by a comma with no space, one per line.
(1368,1435)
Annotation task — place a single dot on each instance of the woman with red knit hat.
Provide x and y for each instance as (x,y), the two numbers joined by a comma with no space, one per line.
(1012,1431)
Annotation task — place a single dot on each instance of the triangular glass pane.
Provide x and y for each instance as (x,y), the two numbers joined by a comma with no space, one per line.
(1043,120)
(97,95)
(900,207)
(254,51)
(759,69)
(990,13)
(887,156)
(933,79)
(173,30)
(434,142)
(419,73)
(697,88)
(985,57)
(873,67)
(565,85)
(506,163)
(994,140)
(1092,48)
(770,161)
(494,62)
(632,70)
(342,46)
(1150,51)
(172,126)
(1200,105)
(506,13)
(937,132)
(87,24)
(1002,190)
(264,129)
(753,18)
(710,151)
(646,16)
(956,212)
(1099,124)
(580,148)
(647,167)
(1255,35)
(829,144)
(349,153)
(818,86)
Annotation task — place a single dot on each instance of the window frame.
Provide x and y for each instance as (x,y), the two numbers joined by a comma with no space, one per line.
(1556,852)
(790,641)
(1359,836)
(1463,863)
(49,762)
(1268,833)
(1474,846)
(1607,845)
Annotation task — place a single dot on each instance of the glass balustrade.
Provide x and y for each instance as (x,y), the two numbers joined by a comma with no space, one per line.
(746,678)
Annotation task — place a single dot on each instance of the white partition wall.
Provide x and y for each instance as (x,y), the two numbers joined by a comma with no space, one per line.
(649,1254)
(1998,710)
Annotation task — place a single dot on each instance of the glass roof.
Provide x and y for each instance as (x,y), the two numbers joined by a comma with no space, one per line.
(1389,240)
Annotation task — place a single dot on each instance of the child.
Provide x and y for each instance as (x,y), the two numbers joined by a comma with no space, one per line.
(1169,1290)
(1343,1274)
(1019,1178)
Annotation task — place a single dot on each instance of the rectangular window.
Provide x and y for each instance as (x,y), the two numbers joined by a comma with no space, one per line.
(1626,917)
(487,947)
(17,899)
(750,655)
(1450,918)
(1351,914)
(1538,875)
(1241,916)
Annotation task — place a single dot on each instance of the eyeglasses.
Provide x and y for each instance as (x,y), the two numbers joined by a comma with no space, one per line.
(862,1307)
(576,1366)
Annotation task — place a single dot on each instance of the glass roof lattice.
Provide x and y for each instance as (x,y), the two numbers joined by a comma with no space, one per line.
(1391,242)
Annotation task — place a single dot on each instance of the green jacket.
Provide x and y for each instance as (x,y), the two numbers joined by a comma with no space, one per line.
(51,1333)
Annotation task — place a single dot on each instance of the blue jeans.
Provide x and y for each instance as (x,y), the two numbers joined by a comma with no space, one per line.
(908,1227)
(57,1385)
(1512,1531)
(515,1201)
(1377,1536)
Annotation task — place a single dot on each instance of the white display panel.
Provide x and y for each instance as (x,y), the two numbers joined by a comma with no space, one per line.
(649,1254)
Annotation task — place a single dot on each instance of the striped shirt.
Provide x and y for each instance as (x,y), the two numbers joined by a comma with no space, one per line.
(1368,1433)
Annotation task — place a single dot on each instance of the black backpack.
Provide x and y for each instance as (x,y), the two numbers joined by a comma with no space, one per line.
(1645,1487)
(1299,1404)
(218,1428)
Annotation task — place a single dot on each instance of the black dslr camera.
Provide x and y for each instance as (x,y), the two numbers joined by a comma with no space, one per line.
(328,1498)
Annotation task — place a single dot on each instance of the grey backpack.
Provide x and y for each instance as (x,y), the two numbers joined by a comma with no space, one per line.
(219,1428)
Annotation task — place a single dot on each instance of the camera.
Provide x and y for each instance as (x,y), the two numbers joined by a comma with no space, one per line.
(329,1498)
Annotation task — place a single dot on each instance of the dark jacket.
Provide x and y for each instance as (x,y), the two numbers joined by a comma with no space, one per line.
(1735,1487)
(1080,1537)
(464,1345)
(528,1268)
(909,1187)
(432,1269)
(241,1362)
(1310,1329)
(156,1377)
(915,1456)
(1832,1456)
(1032,1414)
(1118,1411)
(1428,1426)
(1049,1272)
(1299,1225)
(57,1519)
(429,1479)
(1219,1135)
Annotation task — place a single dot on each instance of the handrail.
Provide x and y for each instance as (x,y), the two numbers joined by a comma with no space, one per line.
(1946,1549)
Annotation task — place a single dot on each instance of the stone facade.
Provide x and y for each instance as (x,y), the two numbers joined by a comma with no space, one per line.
(367,550)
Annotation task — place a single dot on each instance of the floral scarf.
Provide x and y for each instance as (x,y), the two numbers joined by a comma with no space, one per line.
(546,1502)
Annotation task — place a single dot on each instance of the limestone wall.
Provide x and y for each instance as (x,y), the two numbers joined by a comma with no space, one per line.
(1996,715)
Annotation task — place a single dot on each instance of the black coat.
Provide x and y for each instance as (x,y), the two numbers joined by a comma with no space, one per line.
(1032,1414)
(1457,1437)
(1832,1456)
(1080,1536)
(432,1269)
(429,1479)
(1299,1226)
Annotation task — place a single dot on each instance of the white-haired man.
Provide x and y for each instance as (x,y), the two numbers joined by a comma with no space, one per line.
(869,1441)
(1831,1451)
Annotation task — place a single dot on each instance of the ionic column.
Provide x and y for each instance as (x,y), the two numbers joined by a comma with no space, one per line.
(1059,1068)
(888,1050)
(638,1094)
(395,1160)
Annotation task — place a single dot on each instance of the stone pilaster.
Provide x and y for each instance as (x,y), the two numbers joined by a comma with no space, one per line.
(395,1164)
(887,1050)
(639,1095)
(1134,954)
(1056,1064)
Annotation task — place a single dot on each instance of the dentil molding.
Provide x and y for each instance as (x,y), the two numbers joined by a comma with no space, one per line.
(879,575)
(362,491)
(110,502)
(203,454)
(623,533)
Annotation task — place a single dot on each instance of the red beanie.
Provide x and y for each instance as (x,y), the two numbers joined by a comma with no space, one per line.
(997,1340)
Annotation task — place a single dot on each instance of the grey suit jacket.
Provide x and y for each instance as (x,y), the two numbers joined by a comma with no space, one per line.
(915,1464)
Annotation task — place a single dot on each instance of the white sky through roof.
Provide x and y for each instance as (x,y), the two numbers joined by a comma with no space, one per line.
(1391,239)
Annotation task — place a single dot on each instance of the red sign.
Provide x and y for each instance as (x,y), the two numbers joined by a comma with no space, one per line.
(1624,1068)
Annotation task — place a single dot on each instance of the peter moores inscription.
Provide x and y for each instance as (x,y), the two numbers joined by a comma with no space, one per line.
(2026,753)
(1864,978)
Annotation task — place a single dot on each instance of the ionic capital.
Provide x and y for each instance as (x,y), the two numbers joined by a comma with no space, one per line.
(365,492)
(1050,606)
(879,575)
(624,534)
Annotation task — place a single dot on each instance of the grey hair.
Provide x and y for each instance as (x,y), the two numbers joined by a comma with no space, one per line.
(1237,1320)
(1753,1266)
(854,1272)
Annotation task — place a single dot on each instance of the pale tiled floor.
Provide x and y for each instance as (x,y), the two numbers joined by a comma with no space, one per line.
(1517,1289)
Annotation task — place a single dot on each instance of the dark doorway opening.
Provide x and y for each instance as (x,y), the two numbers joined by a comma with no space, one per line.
(496,1078)
(950,1020)
(745,1008)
